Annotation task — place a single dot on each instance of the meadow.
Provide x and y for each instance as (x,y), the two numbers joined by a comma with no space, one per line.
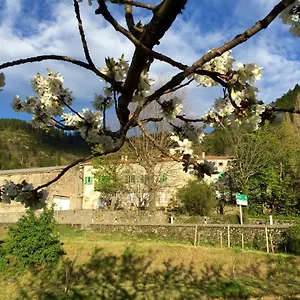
(173,270)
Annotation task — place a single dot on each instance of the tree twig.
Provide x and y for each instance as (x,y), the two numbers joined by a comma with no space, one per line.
(134,3)
(82,35)
(117,85)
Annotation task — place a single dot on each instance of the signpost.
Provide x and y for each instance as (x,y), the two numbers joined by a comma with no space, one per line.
(241,200)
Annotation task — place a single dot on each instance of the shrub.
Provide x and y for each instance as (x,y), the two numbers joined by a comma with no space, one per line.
(197,198)
(32,241)
(292,240)
(3,258)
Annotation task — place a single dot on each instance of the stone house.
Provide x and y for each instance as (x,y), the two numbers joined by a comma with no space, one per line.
(76,189)
(66,193)
(169,176)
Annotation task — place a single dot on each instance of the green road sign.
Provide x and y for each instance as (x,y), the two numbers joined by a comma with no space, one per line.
(241,199)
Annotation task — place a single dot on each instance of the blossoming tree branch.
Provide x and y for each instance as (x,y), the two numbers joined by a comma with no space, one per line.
(129,89)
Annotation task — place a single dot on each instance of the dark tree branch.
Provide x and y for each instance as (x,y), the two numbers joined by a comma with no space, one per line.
(81,160)
(159,56)
(239,39)
(164,16)
(134,3)
(64,171)
(178,87)
(117,85)
(129,19)
(286,110)
(155,143)
(82,35)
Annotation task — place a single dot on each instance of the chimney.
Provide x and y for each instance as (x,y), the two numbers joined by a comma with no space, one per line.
(203,155)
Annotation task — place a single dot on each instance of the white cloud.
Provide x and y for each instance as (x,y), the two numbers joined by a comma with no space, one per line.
(187,40)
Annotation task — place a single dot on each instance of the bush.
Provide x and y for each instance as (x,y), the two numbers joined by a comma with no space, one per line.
(292,240)
(32,241)
(3,258)
(197,198)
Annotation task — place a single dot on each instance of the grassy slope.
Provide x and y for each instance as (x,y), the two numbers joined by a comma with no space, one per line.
(277,276)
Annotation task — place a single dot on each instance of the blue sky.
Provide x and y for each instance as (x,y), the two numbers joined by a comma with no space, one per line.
(34,27)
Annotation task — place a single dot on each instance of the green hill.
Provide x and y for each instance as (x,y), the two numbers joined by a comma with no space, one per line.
(291,100)
(22,146)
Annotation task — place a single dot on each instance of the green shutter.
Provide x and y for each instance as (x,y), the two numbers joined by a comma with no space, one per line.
(88,180)
(163,178)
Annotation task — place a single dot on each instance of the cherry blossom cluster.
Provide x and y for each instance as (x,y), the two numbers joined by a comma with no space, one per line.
(23,193)
(144,87)
(51,98)
(221,65)
(116,69)
(291,16)
(87,122)
(184,146)
(171,108)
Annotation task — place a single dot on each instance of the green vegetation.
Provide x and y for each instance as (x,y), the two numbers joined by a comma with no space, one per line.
(32,241)
(292,240)
(22,146)
(197,198)
(266,168)
(111,179)
(129,268)
(288,100)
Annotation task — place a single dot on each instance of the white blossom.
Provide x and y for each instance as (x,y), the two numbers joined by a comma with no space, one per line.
(184,146)
(144,87)
(291,16)
(101,103)
(171,108)
(221,64)
(247,72)
(116,69)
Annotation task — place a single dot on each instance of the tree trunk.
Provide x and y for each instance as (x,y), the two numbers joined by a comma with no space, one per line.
(151,186)
(113,202)
(152,200)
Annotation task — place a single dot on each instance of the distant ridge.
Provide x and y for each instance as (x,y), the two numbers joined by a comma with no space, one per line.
(22,146)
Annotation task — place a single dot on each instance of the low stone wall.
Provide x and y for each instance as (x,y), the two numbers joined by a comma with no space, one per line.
(253,236)
(88,216)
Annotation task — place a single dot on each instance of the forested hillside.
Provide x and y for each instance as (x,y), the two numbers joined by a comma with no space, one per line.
(22,146)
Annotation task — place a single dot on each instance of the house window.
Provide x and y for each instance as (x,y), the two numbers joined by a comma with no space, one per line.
(88,180)
(144,179)
(220,163)
(163,178)
(221,175)
(131,178)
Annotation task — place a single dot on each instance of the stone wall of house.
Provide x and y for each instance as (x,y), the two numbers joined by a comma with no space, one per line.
(69,185)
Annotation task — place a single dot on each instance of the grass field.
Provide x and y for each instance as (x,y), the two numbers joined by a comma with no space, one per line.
(223,273)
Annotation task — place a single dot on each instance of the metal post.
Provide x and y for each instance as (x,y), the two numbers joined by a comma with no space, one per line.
(242,240)
(195,237)
(228,236)
(221,239)
(241,215)
(267,239)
